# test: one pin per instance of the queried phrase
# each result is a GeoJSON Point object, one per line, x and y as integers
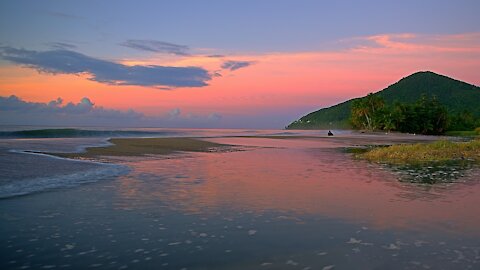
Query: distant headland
{"type": "Point", "coordinates": [424, 102]}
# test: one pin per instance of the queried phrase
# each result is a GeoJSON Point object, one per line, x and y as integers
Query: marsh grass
{"type": "Point", "coordinates": [463, 133]}
{"type": "Point", "coordinates": [439, 151]}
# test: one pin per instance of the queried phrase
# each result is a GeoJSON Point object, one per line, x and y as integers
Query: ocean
{"type": "Point", "coordinates": [299, 201]}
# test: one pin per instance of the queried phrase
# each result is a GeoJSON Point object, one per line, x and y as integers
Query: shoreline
{"type": "Point", "coordinates": [144, 146]}
{"type": "Point", "coordinates": [116, 147]}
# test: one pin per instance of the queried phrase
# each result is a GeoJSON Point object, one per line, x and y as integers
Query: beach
{"type": "Point", "coordinates": [239, 201]}
{"type": "Point", "coordinates": [146, 146]}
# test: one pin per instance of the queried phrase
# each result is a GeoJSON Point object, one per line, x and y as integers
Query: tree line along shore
{"type": "Point", "coordinates": [425, 116]}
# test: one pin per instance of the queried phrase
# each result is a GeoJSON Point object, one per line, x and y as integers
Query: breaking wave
{"type": "Point", "coordinates": [76, 133]}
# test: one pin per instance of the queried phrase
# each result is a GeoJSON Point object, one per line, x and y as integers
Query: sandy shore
{"type": "Point", "coordinates": [376, 138]}
{"type": "Point", "coordinates": [146, 146]}
{"type": "Point", "coordinates": [165, 146]}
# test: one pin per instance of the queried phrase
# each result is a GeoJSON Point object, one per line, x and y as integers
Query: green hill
{"type": "Point", "coordinates": [456, 95]}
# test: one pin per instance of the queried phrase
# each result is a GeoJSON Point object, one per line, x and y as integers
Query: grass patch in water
{"type": "Point", "coordinates": [439, 151]}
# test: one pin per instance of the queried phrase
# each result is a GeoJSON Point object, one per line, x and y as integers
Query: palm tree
{"type": "Point", "coordinates": [366, 112]}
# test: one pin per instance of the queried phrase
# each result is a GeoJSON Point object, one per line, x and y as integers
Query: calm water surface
{"type": "Point", "coordinates": [275, 204]}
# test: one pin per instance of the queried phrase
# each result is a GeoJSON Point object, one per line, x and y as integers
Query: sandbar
{"type": "Point", "coordinates": [146, 146]}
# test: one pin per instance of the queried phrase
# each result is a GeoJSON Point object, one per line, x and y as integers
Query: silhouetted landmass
{"type": "Point", "coordinates": [457, 96]}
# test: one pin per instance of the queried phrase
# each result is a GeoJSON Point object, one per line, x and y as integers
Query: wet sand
{"type": "Point", "coordinates": [357, 138]}
{"type": "Point", "coordinates": [147, 146]}
{"type": "Point", "coordinates": [165, 146]}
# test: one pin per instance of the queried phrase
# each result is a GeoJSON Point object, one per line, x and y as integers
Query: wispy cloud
{"type": "Point", "coordinates": [234, 65]}
{"type": "Point", "coordinates": [62, 45]}
{"type": "Point", "coordinates": [62, 15]}
{"type": "Point", "coordinates": [156, 46]}
{"type": "Point", "coordinates": [108, 72]}
{"type": "Point", "coordinates": [216, 55]}
{"type": "Point", "coordinates": [409, 42]}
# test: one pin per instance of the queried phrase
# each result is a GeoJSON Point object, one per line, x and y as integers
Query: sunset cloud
{"type": "Point", "coordinates": [108, 72]}
{"type": "Point", "coordinates": [234, 65]}
{"type": "Point", "coordinates": [409, 42]}
{"type": "Point", "coordinates": [62, 45]}
{"type": "Point", "coordinates": [156, 46]}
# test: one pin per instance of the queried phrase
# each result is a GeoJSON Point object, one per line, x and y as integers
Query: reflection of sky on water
{"type": "Point", "coordinates": [303, 205]}
{"type": "Point", "coordinates": [301, 177]}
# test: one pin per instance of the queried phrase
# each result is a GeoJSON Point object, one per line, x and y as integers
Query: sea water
{"type": "Point", "coordinates": [274, 204]}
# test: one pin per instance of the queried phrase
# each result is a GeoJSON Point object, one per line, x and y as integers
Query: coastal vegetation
{"type": "Point", "coordinates": [439, 151]}
{"type": "Point", "coordinates": [464, 133]}
{"type": "Point", "coordinates": [455, 105]}
{"type": "Point", "coordinates": [426, 116]}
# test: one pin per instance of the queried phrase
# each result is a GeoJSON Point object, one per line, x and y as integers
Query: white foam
{"type": "Point", "coordinates": [354, 241]}
{"type": "Point", "coordinates": [28, 186]}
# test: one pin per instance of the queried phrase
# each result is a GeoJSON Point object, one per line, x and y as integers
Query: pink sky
{"type": "Point", "coordinates": [283, 84]}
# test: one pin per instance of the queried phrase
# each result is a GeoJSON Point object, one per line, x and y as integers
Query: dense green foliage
{"type": "Point", "coordinates": [455, 95]}
{"type": "Point", "coordinates": [425, 116]}
{"type": "Point", "coordinates": [369, 112]}
{"type": "Point", "coordinates": [463, 121]}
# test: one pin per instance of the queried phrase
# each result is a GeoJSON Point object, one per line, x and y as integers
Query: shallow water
{"type": "Point", "coordinates": [277, 204]}
{"type": "Point", "coordinates": [25, 173]}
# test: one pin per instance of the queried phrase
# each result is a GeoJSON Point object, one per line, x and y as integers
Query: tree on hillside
{"type": "Point", "coordinates": [462, 121]}
{"type": "Point", "coordinates": [368, 112]}
{"type": "Point", "coordinates": [425, 116]}
{"type": "Point", "coordinates": [438, 115]}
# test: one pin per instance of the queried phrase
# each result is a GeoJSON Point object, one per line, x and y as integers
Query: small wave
{"type": "Point", "coordinates": [75, 133]}
{"type": "Point", "coordinates": [38, 184]}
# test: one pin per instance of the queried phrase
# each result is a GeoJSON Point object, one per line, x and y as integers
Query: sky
{"type": "Point", "coordinates": [219, 64]}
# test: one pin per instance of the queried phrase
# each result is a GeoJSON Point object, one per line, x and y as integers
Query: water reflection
{"type": "Point", "coordinates": [283, 204]}
{"type": "Point", "coordinates": [300, 177]}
